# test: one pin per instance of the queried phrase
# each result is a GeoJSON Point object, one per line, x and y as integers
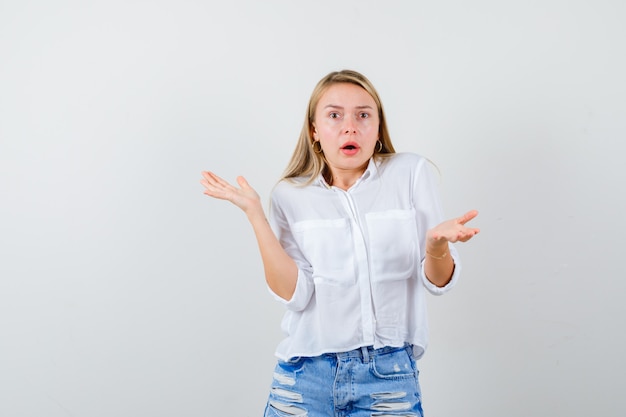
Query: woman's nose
{"type": "Point", "coordinates": [349, 125]}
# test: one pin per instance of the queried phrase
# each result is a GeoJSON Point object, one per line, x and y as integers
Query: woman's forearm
{"type": "Point", "coordinates": [281, 271]}
{"type": "Point", "coordinates": [439, 265]}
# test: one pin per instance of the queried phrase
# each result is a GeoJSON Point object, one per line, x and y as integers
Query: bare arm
{"type": "Point", "coordinates": [439, 265]}
{"type": "Point", "coordinates": [281, 272]}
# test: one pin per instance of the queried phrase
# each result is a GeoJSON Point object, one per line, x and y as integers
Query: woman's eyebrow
{"type": "Point", "coordinates": [336, 106]}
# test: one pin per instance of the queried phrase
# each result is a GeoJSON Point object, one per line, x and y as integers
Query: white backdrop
{"type": "Point", "coordinates": [125, 292]}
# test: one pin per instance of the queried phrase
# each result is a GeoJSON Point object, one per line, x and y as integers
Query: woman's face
{"type": "Point", "coordinates": [346, 125]}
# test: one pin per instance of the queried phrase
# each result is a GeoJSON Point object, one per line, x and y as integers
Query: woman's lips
{"type": "Point", "coordinates": [350, 148]}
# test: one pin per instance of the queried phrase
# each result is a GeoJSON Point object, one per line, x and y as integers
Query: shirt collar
{"type": "Point", "coordinates": [370, 172]}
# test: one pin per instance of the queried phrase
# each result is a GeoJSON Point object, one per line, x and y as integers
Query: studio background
{"type": "Point", "coordinates": [124, 291]}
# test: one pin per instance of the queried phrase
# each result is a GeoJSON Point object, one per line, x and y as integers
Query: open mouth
{"type": "Point", "coordinates": [350, 149]}
{"type": "Point", "coordinates": [350, 146]}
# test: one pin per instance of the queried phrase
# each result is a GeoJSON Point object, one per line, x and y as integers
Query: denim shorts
{"type": "Point", "coordinates": [364, 382]}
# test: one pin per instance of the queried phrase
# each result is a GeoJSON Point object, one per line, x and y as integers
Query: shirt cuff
{"type": "Point", "coordinates": [301, 294]}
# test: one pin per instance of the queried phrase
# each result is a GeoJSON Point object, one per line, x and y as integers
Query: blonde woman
{"type": "Point", "coordinates": [355, 239]}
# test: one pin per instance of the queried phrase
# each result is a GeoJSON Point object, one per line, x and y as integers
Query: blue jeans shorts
{"type": "Point", "coordinates": [364, 382]}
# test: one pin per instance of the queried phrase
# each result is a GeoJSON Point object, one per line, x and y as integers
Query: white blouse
{"type": "Point", "coordinates": [360, 256]}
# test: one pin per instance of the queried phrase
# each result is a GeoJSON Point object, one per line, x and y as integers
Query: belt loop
{"type": "Point", "coordinates": [409, 349]}
{"type": "Point", "coordinates": [366, 355]}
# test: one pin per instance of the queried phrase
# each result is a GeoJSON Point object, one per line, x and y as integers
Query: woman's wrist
{"type": "Point", "coordinates": [438, 252]}
{"type": "Point", "coordinates": [255, 213]}
{"type": "Point", "coordinates": [444, 255]}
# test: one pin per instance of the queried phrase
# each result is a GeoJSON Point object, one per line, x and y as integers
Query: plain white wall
{"type": "Point", "coordinates": [126, 292]}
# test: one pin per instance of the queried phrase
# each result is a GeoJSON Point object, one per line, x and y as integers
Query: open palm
{"type": "Point", "coordinates": [453, 230]}
{"type": "Point", "coordinates": [245, 197]}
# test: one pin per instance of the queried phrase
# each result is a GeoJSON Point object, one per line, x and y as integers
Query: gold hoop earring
{"type": "Point", "coordinates": [320, 147]}
{"type": "Point", "coordinates": [379, 146]}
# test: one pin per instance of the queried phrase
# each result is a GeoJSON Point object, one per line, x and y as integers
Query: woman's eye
{"type": "Point", "coordinates": [334, 115]}
{"type": "Point", "coordinates": [364, 115]}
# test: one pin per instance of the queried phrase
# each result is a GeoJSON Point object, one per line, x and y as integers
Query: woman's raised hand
{"type": "Point", "coordinates": [453, 230]}
{"type": "Point", "coordinates": [244, 197]}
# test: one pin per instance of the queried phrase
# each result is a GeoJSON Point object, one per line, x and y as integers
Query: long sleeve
{"type": "Point", "coordinates": [304, 285]}
{"type": "Point", "coordinates": [429, 213]}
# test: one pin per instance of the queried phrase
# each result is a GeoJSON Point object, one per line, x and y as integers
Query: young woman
{"type": "Point", "coordinates": [355, 239]}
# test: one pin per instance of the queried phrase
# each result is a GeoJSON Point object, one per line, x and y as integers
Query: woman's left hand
{"type": "Point", "coordinates": [453, 230]}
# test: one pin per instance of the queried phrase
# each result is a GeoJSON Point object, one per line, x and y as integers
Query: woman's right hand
{"type": "Point", "coordinates": [246, 198]}
{"type": "Point", "coordinates": [281, 272]}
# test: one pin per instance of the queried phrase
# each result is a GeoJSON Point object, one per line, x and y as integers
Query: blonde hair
{"type": "Point", "coordinates": [307, 163]}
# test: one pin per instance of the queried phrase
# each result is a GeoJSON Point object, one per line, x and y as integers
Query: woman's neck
{"type": "Point", "coordinates": [345, 179]}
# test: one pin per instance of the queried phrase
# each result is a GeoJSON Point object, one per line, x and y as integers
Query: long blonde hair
{"type": "Point", "coordinates": [307, 163]}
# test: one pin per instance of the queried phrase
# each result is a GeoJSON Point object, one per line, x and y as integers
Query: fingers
{"type": "Point", "coordinates": [215, 186]}
{"type": "Point", "coordinates": [468, 216]}
{"type": "Point", "coordinates": [455, 230]}
{"type": "Point", "coordinates": [242, 182]}
{"type": "Point", "coordinates": [213, 179]}
{"type": "Point", "coordinates": [219, 188]}
{"type": "Point", "coordinates": [467, 234]}
{"type": "Point", "coordinates": [207, 178]}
